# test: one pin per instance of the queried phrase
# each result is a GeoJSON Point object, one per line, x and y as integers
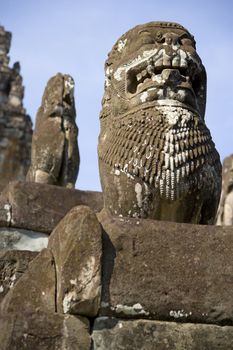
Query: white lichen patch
{"type": "Point", "coordinates": [73, 282]}
{"type": "Point", "coordinates": [121, 45]}
{"type": "Point", "coordinates": [138, 190]}
{"type": "Point", "coordinates": [87, 270]}
{"type": "Point", "coordinates": [69, 84]}
{"type": "Point", "coordinates": [7, 207]}
{"type": "Point", "coordinates": [68, 300]}
{"type": "Point", "coordinates": [117, 172]}
{"type": "Point", "coordinates": [107, 82]}
{"type": "Point", "coordinates": [149, 53]}
{"type": "Point", "coordinates": [144, 96]}
{"type": "Point", "coordinates": [118, 73]}
{"type": "Point", "coordinates": [179, 313]}
{"type": "Point", "coordinates": [1, 289]}
{"type": "Point", "coordinates": [134, 310]}
{"type": "Point", "coordinates": [104, 304]}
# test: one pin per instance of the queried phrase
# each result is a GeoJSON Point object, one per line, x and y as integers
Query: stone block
{"type": "Point", "coordinates": [116, 334]}
{"type": "Point", "coordinates": [39, 207]}
{"type": "Point", "coordinates": [20, 239]}
{"type": "Point", "coordinates": [76, 244]}
{"type": "Point", "coordinates": [43, 331]}
{"type": "Point", "coordinates": [35, 290]}
{"type": "Point", "coordinates": [167, 271]}
{"type": "Point", "coordinates": [13, 264]}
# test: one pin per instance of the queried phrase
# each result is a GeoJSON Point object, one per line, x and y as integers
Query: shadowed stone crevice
{"type": "Point", "coordinates": [55, 287]}
{"type": "Point", "coordinates": [109, 254]}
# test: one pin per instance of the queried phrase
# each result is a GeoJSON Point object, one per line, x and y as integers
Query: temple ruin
{"type": "Point", "coordinates": [141, 265]}
{"type": "Point", "coordinates": [15, 124]}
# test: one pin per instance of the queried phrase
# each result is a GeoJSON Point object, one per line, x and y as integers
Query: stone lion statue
{"type": "Point", "coordinates": [156, 156]}
{"type": "Point", "coordinates": [55, 154]}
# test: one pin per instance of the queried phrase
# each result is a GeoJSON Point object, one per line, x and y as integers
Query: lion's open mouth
{"type": "Point", "coordinates": [148, 74]}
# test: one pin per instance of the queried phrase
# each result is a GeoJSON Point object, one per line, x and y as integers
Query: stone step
{"type": "Point", "coordinates": [166, 271]}
{"type": "Point", "coordinates": [39, 207]}
{"type": "Point", "coordinates": [116, 334]}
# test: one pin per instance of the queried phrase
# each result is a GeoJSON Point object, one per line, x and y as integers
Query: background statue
{"type": "Point", "coordinates": [55, 155]}
{"type": "Point", "coordinates": [225, 210]}
{"type": "Point", "coordinates": [156, 156]}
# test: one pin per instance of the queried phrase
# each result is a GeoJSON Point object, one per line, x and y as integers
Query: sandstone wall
{"type": "Point", "coordinates": [106, 282]}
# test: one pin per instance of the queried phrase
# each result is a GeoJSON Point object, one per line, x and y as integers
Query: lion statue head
{"type": "Point", "coordinates": [156, 155]}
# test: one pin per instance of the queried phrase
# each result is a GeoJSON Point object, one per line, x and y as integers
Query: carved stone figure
{"type": "Point", "coordinates": [55, 154]}
{"type": "Point", "coordinates": [225, 209]}
{"type": "Point", "coordinates": [156, 156]}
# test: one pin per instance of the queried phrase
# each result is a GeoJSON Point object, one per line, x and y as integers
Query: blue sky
{"type": "Point", "coordinates": [75, 37]}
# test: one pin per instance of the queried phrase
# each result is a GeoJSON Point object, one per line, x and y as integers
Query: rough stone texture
{"type": "Point", "coordinates": [12, 266]}
{"type": "Point", "coordinates": [156, 156]}
{"type": "Point", "coordinates": [55, 154]}
{"type": "Point", "coordinates": [225, 209]}
{"type": "Point", "coordinates": [15, 124]}
{"type": "Point", "coordinates": [35, 290]}
{"type": "Point", "coordinates": [44, 331]}
{"type": "Point", "coordinates": [40, 207]}
{"type": "Point", "coordinates": [19, 239]}
{"type": "Point", "coordinates": [113, 334]}
{"type": "Point", "coordinates": [76, 244]}
{"type": "Point", "coordinates": [167, 271]}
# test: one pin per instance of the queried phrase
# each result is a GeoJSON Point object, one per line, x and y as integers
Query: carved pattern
{"type": "Point", "coordinates": [164, 155]}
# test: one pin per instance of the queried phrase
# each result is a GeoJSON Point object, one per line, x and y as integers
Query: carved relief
{"type": "Point", "coordinates": [156, 155]}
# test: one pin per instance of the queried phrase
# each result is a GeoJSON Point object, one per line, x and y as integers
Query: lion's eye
{"type": "Point", "coordinates": [147, 39]}
{"type": "Point", "coordinates": [159, 37]}
{"type": "Point", "coordinates": [186, 42]}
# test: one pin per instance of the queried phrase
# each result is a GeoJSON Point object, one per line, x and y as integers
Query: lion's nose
{"type": "Point", "coordinates": [171, 39]}
{"type": "Point", "coordinates": [171, 76]}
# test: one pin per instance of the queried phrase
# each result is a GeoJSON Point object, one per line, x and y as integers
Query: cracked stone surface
{"type": "Point", "coordinates": [35, 290]}
{"type": "Point", "coordinates": [117, 334]}
{"type": "Point", "coordinates": [166, 271]}
{"type": "Point", "coordinates": [76, 244]}
{"type": "Point", "coordinates": [44, 331]}
{"type": "Point", "coordinates": [40, 207]}
{"type": "Point", "coordinates": [13, 264]}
